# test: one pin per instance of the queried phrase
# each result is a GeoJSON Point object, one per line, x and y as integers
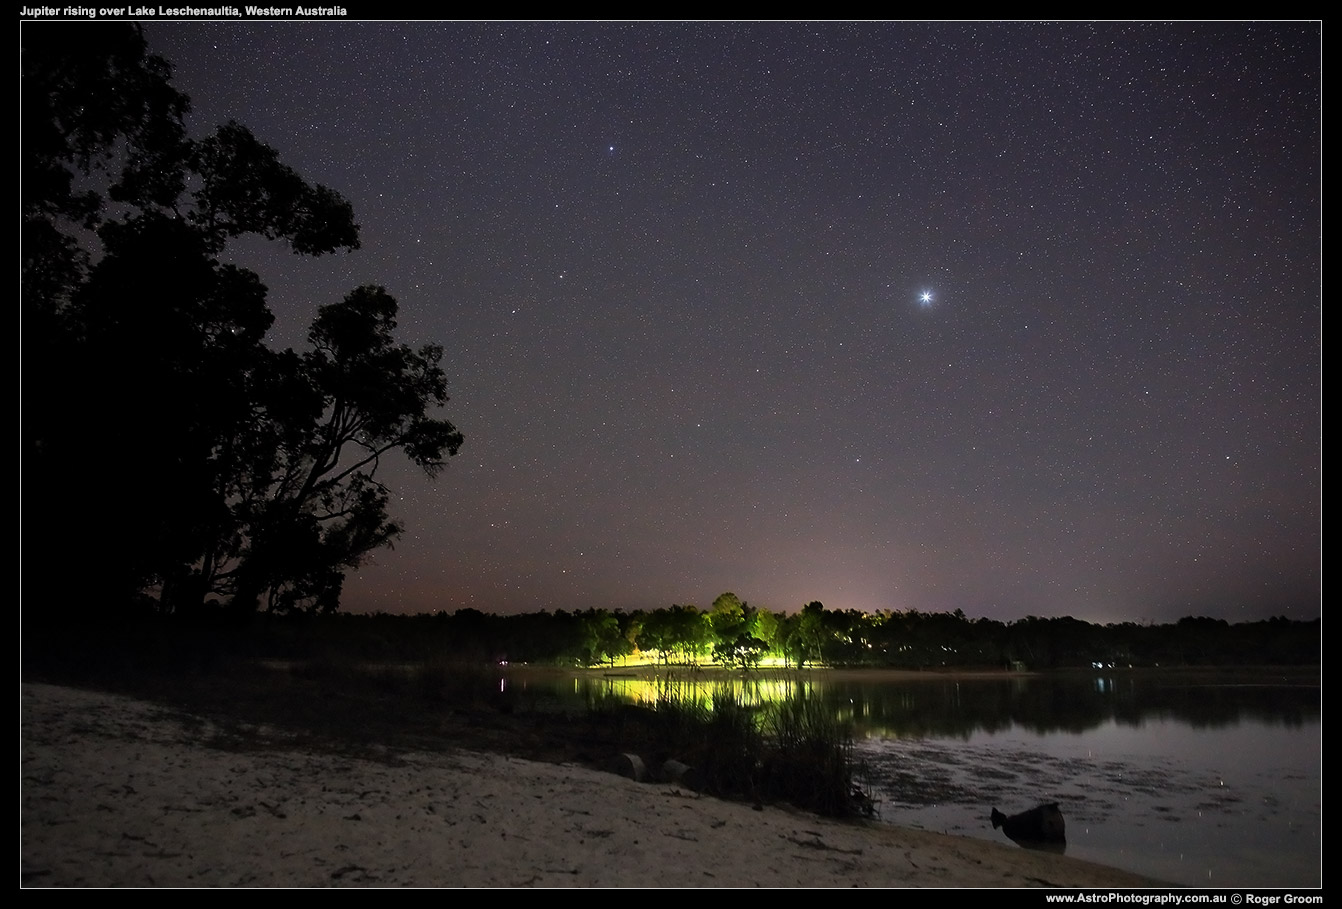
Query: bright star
{"type": "Point", "coordinates": [925, 298]}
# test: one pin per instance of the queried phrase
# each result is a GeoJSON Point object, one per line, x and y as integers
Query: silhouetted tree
{"type": "Point", "coordinates": [168, 450]}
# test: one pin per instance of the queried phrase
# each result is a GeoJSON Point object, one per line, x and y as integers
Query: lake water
{"type": "Point", "coordinates": [1200, 779]}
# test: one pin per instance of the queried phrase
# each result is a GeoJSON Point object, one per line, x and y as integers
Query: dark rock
{"type": "Point", "coordinates": [1042, 827]}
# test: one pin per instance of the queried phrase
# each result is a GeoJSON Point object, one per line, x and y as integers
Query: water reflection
{"type": "Point", "coordinates": [1196, 778]}
{"type": "Point", "coordinates": [960, 707]}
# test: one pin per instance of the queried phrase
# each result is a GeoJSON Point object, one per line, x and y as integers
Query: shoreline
{"type": "Point", "coordinates": [123, 792]}
{"type": "Point", "coordinates": [1303, 674]}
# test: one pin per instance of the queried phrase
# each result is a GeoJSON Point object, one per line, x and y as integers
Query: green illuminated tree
{"type": "Point", "coordinates": [727, 618]}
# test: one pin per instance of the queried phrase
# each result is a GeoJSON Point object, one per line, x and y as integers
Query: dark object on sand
{"type": "Point", "coordinates": [1038, 828]}
{"type": "Point", "coordinates": [628, 765]}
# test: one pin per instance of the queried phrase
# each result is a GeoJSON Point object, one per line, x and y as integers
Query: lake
{"type": "Point", "coordinates": [1200, 778]}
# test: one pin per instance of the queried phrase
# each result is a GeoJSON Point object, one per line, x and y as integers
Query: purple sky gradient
{"type": "Point", "coordinates": [678, 270]}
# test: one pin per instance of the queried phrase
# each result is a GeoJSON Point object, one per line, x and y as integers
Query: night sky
{"type": "Point", "coordinates": [1021, 319]}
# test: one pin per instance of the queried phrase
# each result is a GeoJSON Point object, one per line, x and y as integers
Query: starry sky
{"type": "Point", "coordinates": [1015, 318]}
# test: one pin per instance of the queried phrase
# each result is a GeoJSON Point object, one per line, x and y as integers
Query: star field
{"type": "Point", "coordinates": [1022, 319]}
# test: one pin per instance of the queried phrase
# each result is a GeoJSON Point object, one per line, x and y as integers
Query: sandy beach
{"type": "Point", "coordinates": [118, 792]}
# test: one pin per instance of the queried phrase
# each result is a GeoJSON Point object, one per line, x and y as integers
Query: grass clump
{"type": "Point", "coordinates": [795, 750]}
{"type": "Point", "coordinates": [811, 761]}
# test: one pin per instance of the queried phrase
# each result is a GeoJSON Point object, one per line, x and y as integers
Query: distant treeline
{"type": "Point", "coordinates": [733, 633]}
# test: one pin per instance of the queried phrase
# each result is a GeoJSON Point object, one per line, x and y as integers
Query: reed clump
{"type": "Point", "coordinates": [795, 750]}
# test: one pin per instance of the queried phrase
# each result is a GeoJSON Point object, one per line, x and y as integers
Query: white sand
{"type": "Point", "coordinates": [118, 792]}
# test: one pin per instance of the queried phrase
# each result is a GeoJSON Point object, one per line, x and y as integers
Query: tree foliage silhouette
{"type": "Point", "coordinates": [170, 455]}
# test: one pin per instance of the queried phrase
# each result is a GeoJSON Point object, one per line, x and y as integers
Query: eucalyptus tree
{"type": "Point", "coordinates": [170, 455]}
